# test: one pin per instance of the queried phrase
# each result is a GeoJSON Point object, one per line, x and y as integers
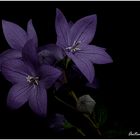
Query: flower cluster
{"type": "Point", "coordinates": [32, 69]}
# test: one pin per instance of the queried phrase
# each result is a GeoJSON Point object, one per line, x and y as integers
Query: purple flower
{"type": "Point", "coordinates": [9, 54]}
{"type": "Point", "coordinates": [57, 122]}
{"type": "Point", "coordinates": [16, 38]}
{"type": "Point", "coordinates": [75, 39]}
{"type": "Point", "coordinates": [50, 54]}
{"type": "Point", "coordinates": [30, 80]}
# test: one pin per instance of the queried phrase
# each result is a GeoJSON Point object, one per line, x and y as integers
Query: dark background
{"type": "Point", "coordinates": [118, 30]}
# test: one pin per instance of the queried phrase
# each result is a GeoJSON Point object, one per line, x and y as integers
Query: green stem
{"type": "Point", "coordinates": [67, 63]}
{"type": "Point", "coordinates": [80, 131]}
{"type": "Point", "coordinates": [85, 115]}
{"type": "Point", "coordinates": [76, 99]}
{"type": "Point", "coordinates": [99, 132]}
{"type": "Point", "coordinates": [93, 124]}
{"type": "Point", "coordinates": [65, 103]}
{"type": "Point", "coordinates": [74, 96]}
{"type": "Point", "coordinates": [65, 78]}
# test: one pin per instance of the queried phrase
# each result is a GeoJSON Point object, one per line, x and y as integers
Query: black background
{"type": "Point", "coordinates": [118, 30]}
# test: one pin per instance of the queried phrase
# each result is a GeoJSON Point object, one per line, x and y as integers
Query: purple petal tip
{"type": "Point", "coordinates": [58, 11]}
{"type": "Point", "coordinates": [4, 22]}
{"type": "Point", "coordinates": [30, 21]}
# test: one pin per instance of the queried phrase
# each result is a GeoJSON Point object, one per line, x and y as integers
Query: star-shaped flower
{"type": "Point", "coordinates": [75, 39]}
{"type": "Point", "coordinates": [16, 38]}
{"type": "Point", "coordinates": [30, 79]}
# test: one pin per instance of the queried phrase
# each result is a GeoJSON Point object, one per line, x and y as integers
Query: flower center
{"type": "Point", "coordinates": [74, 47]}
{"type": "Point", "coordinates": [32, 80]}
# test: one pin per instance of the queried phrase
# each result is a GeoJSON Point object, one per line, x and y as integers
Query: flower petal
{"type": "Point", "coordinates": [49, 75]}
{"type": "Point", "coordinates": [70, 24]}
{"type": "Point", "coordinates": [29, 54]}
{"type": "Point", "coordinates": [14, 70]}
{"type": "Point", "coordinates": [84, 65]}
{"type": "Point", "coordinates": [84, 29]}
{"type": "Point", "coordinates": [96, 54]}
{"type": "Point", "coordinates": [32, 33]}
{"type": "Point", "coordinates": [56, 122]}
{"type": "Point", "coordinates": [8, 55]}
{"type": "Point", "coordinates": [59, 82]}
{"type": "Point", "coordinates": [14, 34]}
{"type": "Point", "coordinates": [38, 100]}
{"type": "Point", "coordinates": [18, 95]}
{"type": "Point", "coordinates": [94, 84]}
{"type": "Point", "coordinates": [46, 57]}
{"type": "Point", "coordinates": [62, 29]}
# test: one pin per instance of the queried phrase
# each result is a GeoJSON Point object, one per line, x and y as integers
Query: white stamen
{"type": "Point", "coordinates": [68, 48]}
{"type": "Point", "coordinates": [33, 80]}
{"type": "Point", "coordinates": [74, 47]}
{"type": "Point", "coordinates": [76, 43]}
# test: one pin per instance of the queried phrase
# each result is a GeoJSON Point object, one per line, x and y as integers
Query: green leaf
{"type": "Point", "coordinates": [101, 115]}
{"type": "Point", "coordinates": [67, 125]}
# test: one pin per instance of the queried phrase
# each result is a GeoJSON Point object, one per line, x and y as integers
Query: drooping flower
{"type": "Point", "coordinates": [74, 39]}
{"type": "Point", "coordinates": [50, 54]}
{"type": "Point", "coordinates": [57, 122]}
{"type": "Point", "coordinates": [16, 38]}
{"type": "Point", "coordinates": [86, 104]}
{"type": "Point", "coordinates": [30, 80]}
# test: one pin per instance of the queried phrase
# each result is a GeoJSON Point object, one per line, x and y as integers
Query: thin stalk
{"type": "Point", "coordinates": [74, 96]}
{"type": "Point", "coordinates": [93, 124]}
{"type": "Point", "coordinates": [80, 131]}
{"type": "Point", "coordinates": [70, 106]}
{"type": "Point", "coordinates": [76, 99]}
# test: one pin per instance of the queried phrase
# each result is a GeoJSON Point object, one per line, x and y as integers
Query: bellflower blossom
{"type": "Point", "coordinates": [57, 122]}
{"type": "Point", "coordinates": [30, 79]}
{"type": "Point", "coordinates": [74, 39]}
{"type": "Point", "coordinates": [16, 38]}
{"type": "Point", "coordinates": [50, 54]}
